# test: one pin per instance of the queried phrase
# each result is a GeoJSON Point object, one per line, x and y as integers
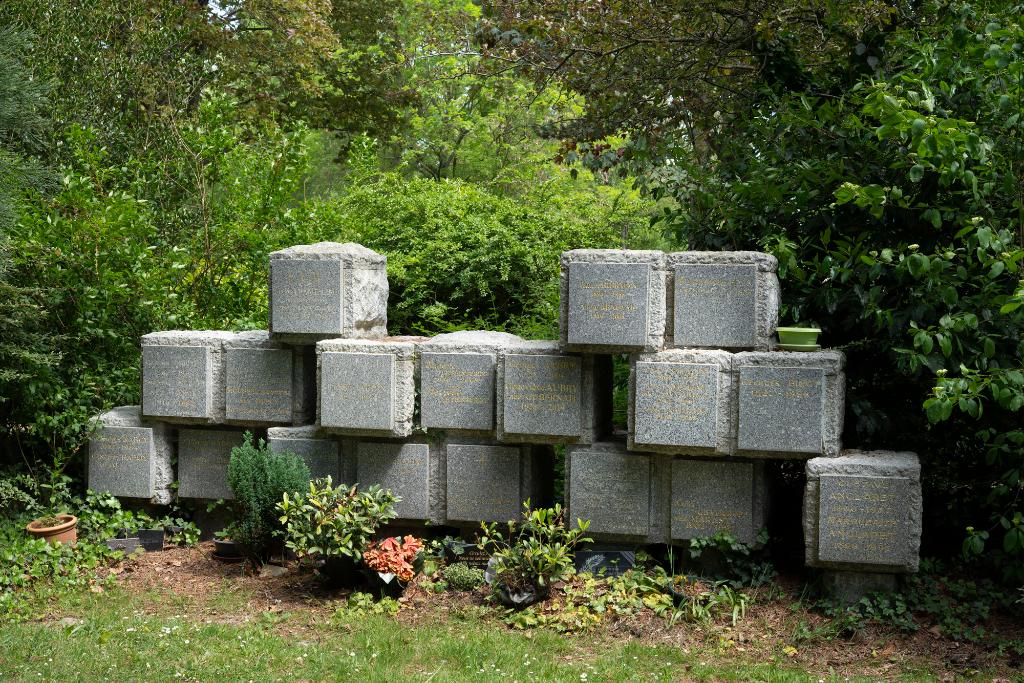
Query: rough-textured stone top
{"type": "Point", "coordinates": [723, 359]}
{"type": "Point", "coordinates": [470, 341]}
{"type": "Point", "coordinates": [121, 416]}
{"type": "Point", "coordinates": [868, 463]}
{"type": "Point", "coordinates": [612, 256]}
{"type": "Point", "coordinates": [766, 263]}
{"type": "Point", "coordinates": [187, 338]}
{"type": "Point", "coordinates": [252, 339]}
{"type": "Point", "coordinates": [301, 432]}
{"type": "Point", "coordinates": [402, 347]}
{"type": "Point", "coordinates": [349, 253]}
{"type": "Point", "coordinates": [539, 346]}
{"type": "Point", "coordinates": [831, 361]}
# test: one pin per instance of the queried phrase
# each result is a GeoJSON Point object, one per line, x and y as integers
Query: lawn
{"type": "Point", "coordinates": [178, 616]}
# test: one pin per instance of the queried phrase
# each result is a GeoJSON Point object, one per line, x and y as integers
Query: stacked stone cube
{"type": "Point", "coordinates": [462, 425]}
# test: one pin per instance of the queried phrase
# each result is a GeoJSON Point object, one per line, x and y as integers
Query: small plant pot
{"type": "Point", "coordinates": [339, 571]}
{"type": "Point", "coordinates": [798, 336]}
{"type": "Point", "coordinates": [65, 532]}
{"type": "Point", "coordinates": [227, 550]}
{"type": "Point", "coordinates": [384, 585]}
{"type": "Point", "coordinates": [520, 599]}
{"type": "Point", "coordinates": [151, 539]}
{"type": "Point", "coordinates": [127, 545]}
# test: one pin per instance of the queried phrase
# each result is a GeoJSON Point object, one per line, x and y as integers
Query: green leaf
{"type": "Point", "coordinates": [932, 216]}
{"type": "Point", "coordinates": [916, 173]}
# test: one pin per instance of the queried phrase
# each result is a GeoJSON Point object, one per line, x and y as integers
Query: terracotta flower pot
{"type": "Point", "coordinates": [65, 532]}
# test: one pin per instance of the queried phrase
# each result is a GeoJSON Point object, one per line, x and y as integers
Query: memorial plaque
{"type": "Point", "coordinates": [320, 455]}
{"type": "Point", "coordinates": [781, 409]}
{"type": "Point", "coordinates": [457, 391]}
{"type": "Point", "coordinates": [715, 305]}
{"type": "Point", "coordinates": [542, 394]}
{"type": "Point", "coordinates": [306, 296]}
{"type": "Point", "coordinates": [356, 390]}
{"type": "Point", "coordinates": [120, 461]}
{"type": "Point", "coordinates": [612, 490]}
{"type": "Point", "coordinates": [863, 519]}
{"type": "Point", "coordinates": [483, 483]}
{"type": "Point", "coordinates": [608, 303]}
{"type": "Point", "coordinates": [259, 385]}
{"type": "Point", "coordinates": [176, 381]}
{"type": "Point", "coordinates": [402, 468]}
{"type": "Point", "coordinates": [203, 457]}
{"type": "Point", "coordinates": [675, 404]}
{"type": "Point", "coordinates": [710, 497]}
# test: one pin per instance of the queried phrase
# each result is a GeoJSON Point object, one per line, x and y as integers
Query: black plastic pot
{"type": "Point", "coordinates": [227, 550]}
{"type": "Point", "coordinates": [151, 539]}
{"type": "Point", "coordinates": [384, 585]}
{"type": "Point", "coordinates": [339, 571]}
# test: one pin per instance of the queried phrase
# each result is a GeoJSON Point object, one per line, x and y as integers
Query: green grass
{"type": "Point", "coordinates": [157, 637]}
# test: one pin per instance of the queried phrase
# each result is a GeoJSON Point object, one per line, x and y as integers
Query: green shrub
{"type": "Point", "coordinates": [532, 554]}
{"type": "Point", "coordinates": [333, 522]}
{"type": "Point", "coordinates": [258, 479]}
{"type": "Point", "coordinates": [461, 577]}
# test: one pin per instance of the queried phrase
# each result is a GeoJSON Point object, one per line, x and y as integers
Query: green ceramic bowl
{"type": "Point", "coordinates": [803, 336]}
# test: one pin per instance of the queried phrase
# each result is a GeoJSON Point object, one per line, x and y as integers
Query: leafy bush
{"type": "Point", "coordinates": [532, 554]}
{"type": "Point", "coordinates": [334, 522]}
{"type": "Point", "coordinates": [258, 479]}
{"type": "Point", "coordinates": [461, 577]}
{"type": "Point", "coordinates": [743, 566]}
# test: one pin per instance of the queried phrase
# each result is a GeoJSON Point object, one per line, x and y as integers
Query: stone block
{"type": "Point", "coordinates": [862, 512]}
{"type": "Point", "coordinates": [709, 497]}
{"type": "Point", "coordinates": [409, 470]}
{"type": "Point", "coordinates": [488, 482]}
{"type": "Point", "coordinates": [722, 299]}
{"type": "Point", "coordinates": [365, 387]}
{"type": "Point", "coordinates": [324, 290]}
{"type": "Point", "coordinates": [612, 300]}
{"type": "Point", "coordinates": [130, 457]}
{"type": "Point", "coordinates": [623, 494]}
{"type": "Point", "coordinates": [267, 382]}
{"type": "Point", "coordinates": [790, 405]}
{"type": "Point", "coordinates": [203, 456]}
{"type": "Point", "coordinates": [682, 401]}
{"type": "Point", "coordinates": [320, 451]}
{"type": "Point", "coordinates": [457, 378]}
{"type": "Point", "coordinates": [183, 376]}
{"type": "Point", "coordinates": [546, 396]}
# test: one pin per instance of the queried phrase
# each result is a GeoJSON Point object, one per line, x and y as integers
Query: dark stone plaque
{"type": "Point", "coordinates": [120, 461]}
{"type": "Point", "coordinates": [710, 497]}
{"type": "Point", "coordinates": [714, 305]}
{"type": "Point", "coordinates": [306, 296]}
{"type": "Point", "coordinates": [203, 457]}
{"type": "Point", "coordinates": [259, 385]}
{"type": "Point", "coordinates": [863, 519]}
{"type": "Point", "coordinates": [402, 468]}
{"type": "Point", "coordinates": [612, 490]}
{"type": "Point", "coordinates": [676, 404]}
{"type": "Point", "coordinates": [542, 394]}
{"type": "Point", "coordinates": [457, 391]}
{"type": "Point", "coordinates": [176, 381]}
{"type": "Point", "coordinates": [483, 483]}
{"type": "Point", "coordinates": [781, 409]}
{"type": "Point", "coordinates": [608, 303]}
{"type": "Point", "coordinates": [356, 390]}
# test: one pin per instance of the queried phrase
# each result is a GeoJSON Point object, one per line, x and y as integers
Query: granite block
{"type": "Point", "coordinates": [267, 382]}
{"type": "Point", "coordinates": [485, 483]}
{"type": "Point", "coordinates": [203, 457]}
{"type": "Point", "coordinates": [682, 401]}
{"type": "Point", "coordinates": [183, 376]}
{"type": "Point", "coordinates": [723, 299]}
{"type": "Point", "coordinates": [862, 512]}
{"type": "Point", "coordinates": [320, 451]}
{"type": "Point", "coordinates": [709, 497]}
{"type": "Point", "coordinates": [130, 457]}
{"type": "Point", "coordinates": [404, 469]}
{"type": "Point", "coordinates": [325, 290]}
{"type": "Point", "coordinates": [612, 300]}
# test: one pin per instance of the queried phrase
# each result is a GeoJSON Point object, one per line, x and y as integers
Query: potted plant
{"type": "Point", "coordinates": [258, 478]}
{"type": "Point", "coordinates": [225, 548]}
{"type": "Point", "coordinates": [62, 528]}
{"type": "Point", "coordinates": [532, 555]}
{"type": "Point", "coordinates": [392, 563]}
{"type": "Point", "coordinates": [798, 338]}
{"type": "Point", "coordinates": [333, 526]}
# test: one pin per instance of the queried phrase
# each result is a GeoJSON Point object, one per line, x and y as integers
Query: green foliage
{"type": "Point", "coordinates": [359, 605]}
{"type": "Point", "coordinates": [259, 478]}
{"type": "Point", "coordinates": [334, 522]}
{"type": "Point", "coordinates": [745, 566]}
{"type": "Point", "coordinates": [461, 577]}
{"type": "Point", "coordinates": [535, 552]}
